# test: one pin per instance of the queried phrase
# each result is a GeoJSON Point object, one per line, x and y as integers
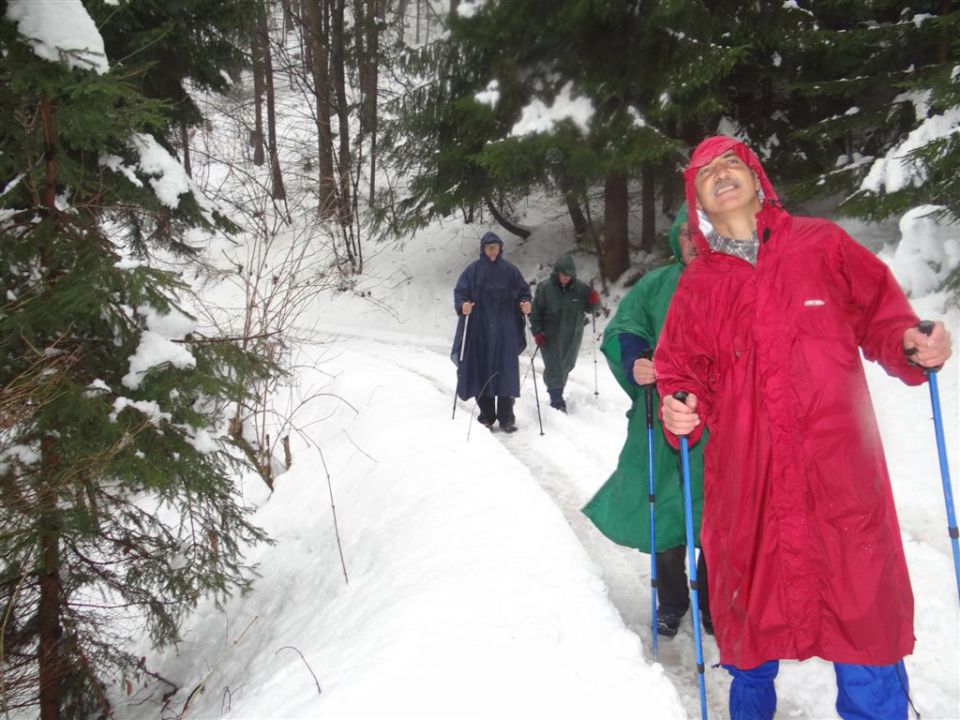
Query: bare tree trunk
{"type": "Point", "coordinates": [401, 18]}
{"type": "Point", "coordinates": [317, 13]}
{"type": "Point", "coordinates": [377, 15]}
{"type": "Point", "coordinates": [278, 192]}
{"type": "Point", "coordinates": [616, 245]}
{"type": "Point", "coordinates": [289, 22]}
{"type": "Point", "coordinates": [648, 222]}
{"type": "Point", "coordinates": [256, 56]}
{"type": "Point", "coordinates": [337, 60]}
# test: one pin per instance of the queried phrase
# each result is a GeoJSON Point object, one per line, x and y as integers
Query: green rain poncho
{"type": "Point", "coordinates": [558, 312]}
{"type": "Point", "coordinates": [620, 509]}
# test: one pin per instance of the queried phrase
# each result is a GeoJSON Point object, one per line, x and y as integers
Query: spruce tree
{"type": "Point", "coordinates": [631, 62]}
{"type": "Point", "coordinates": [881, 84]}
{"type": "Point", "coordinates": [116, 500]}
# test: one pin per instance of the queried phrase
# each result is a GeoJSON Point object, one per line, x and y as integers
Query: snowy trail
{"type": "Point", "coordinates": [574, 456]}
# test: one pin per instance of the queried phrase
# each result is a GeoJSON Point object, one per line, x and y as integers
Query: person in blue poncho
{"type": "Point", "coordinates": [491, 299]}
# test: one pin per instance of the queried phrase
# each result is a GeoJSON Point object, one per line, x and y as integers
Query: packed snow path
{"type": "Point", "coordinates": [578, 451]}
{"type": "Point", "coordinates": [469, 595]}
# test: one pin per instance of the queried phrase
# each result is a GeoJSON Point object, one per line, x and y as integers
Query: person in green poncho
{"type": "Point", "coordinates": [620, 509]}
{"type": "Point", "coordinates": [556, 321]}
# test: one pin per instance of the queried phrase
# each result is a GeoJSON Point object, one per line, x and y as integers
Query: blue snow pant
{"type": "Point", "coordinates": [864, 692]}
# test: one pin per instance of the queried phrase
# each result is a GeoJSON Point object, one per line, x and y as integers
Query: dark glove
{"type": "Point", "coordinates": [540, 339]}
{"type": "Point", "coordinates": [593, 298]}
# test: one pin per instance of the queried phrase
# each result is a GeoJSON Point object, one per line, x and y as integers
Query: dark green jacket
{"type": "Point", "coordinates": [620, 509]}
{"type": "Point", "coordinates": [558, 313]}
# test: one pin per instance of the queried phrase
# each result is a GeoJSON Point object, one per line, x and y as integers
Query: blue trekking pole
{"type": "Point", "coordinates": [651, 498]}
{"type": "Point", "coordinates": [692, 561]}
{"type": "Point", "coordinates": [926, 327]}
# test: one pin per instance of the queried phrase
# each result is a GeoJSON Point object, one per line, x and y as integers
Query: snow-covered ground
{"type": "Point", "coordinates": [473, 586]}
{"type": "Point", "coordinates": [425, 568]}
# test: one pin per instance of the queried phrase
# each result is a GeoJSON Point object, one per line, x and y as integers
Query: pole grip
{"type": "Point", "coordinates": [926, 327]}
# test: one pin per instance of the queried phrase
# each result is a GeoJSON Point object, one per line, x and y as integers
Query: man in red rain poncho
{"type": "Point", "coordinates": [799, 527]}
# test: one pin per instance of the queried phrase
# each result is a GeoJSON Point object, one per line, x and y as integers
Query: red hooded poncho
{"type": "Point", "coordinates": [799, 527]}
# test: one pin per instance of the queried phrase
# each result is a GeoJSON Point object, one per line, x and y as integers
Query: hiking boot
{"type": "Point", "coordinates": [668, 623]}
{"type": "Point", "coordinates": [560, 405]}
{"type": "Point", "coordinates": [486, 422]}
{"type": "Point", "coordinates": [508, 426]}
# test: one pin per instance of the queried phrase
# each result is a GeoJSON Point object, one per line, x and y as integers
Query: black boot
{"type": "Point", "coordinates": [556, 399]}
{"type": "Point", "coordinates": [668, 623]}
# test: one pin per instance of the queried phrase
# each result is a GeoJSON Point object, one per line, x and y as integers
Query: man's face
{"type": "Point", "coordinates": [688, 251]}
{"type": "Point", "coordinates": [562, 278]}
{"type": "Point", "coordinates": [726, 184]}
{"type": "Point", "coordinates": [491, 250]}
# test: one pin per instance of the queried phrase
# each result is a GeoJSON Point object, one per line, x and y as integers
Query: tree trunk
{"type": "Point", "coordinates": [289, 22]}
{"type": "Point", "coordinates": [50, 651]}
{"type": "Point", "coordinates": [376, 21]}
{"type": "Point", "coordinates": [278, 192]}
{"type": "Point", "coordinates": [580, 224]}
{"type": "Point", "coordinates": [616, 245]}
{"type": "Point", "coordinates": [256, 58]}
{"type": "Point", "coordinates": [648, 217]}
{"type": "Point", "coordinates": [317, 13]}
{"type": "Point", "coordinates": [400, 15]}
{"type": "Point", "coordinates": [337, 62]}
{"type": "Point", "coordinates": [185, 142]}
{"type": "Point", "coordinates": [505, 222]}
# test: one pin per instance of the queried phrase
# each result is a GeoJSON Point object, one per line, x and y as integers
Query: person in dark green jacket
{"type": "Point", "coordinates": [620, 509]}
{"type": "Point", "coordinates": [557, 321]}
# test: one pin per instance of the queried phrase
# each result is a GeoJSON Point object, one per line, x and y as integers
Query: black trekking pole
{"type": "Point", "coordinates": [463, 346]}
{"type": "Point", "coordinates": [692, 560]}
{"type": "Point", "coordinates": [596, 387]}
{"type": "Point", "coordinates": [926, 327]}
{"type": "Point", "coordinates": [536, 393]}
{"type": "Point", "coordinates": [533, 370]}
{"type": "Point", "coordinates": [651, 498]}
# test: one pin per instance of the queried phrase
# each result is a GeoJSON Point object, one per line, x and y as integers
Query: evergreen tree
{"type": "Point", "coordinates": [173, 42]}
{"type": "Point", "coordinates": [463, 144]}
{"type": "Point", "coordinates": [116, 501]}
{"type": "Point", "coordinates": [883, 92]}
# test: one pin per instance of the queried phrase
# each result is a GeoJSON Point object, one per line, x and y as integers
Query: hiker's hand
{"type": "Point", "coordinates": [680, 418]}
{"type": "Point", "coordinates": [466, 308]}
{"type": "Point", "coordinates": [643, 372]}
{"type": "Point", "coordinates": [927, 351]}
{"type": "Point", "coordinates": [525, 307]}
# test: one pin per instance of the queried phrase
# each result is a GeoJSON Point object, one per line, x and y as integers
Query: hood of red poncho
{"type": "Point", "coordinates": [704, 153]}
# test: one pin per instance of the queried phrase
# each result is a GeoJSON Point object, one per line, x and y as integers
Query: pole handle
{"type": "Point", "coordinates": [926, 327]}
